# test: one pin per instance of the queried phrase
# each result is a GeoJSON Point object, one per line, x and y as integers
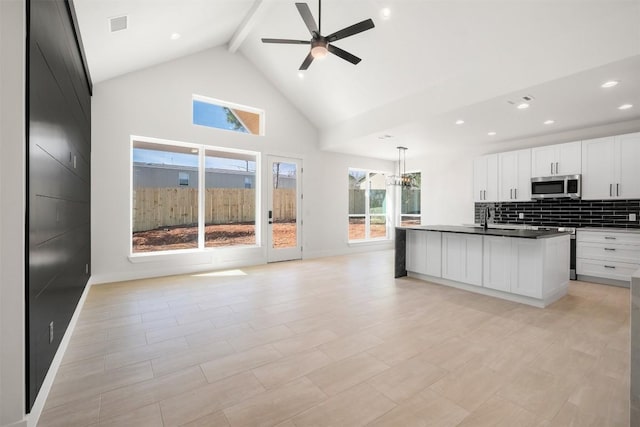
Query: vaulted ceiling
{"type": "Point", "coordinates": [424, 66]}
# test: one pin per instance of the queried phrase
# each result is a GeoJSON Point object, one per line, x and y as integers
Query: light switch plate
{"type": "Point", "coordinates": [633, 217]}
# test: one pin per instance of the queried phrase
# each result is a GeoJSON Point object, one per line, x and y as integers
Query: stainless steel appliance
{"type": "Point", "coordinates": [572, 254]}
{"type": "Point", "coordinates": [556, 187]}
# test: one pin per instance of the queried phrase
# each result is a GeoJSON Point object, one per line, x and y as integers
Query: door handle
{"type": "Point", "coordinates": [270, 217]}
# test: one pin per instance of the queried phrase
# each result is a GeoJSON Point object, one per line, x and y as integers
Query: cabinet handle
{"type": "Point", "coordinates": [617, 189]}
{"type": "Point", "coordinates": [480, 194]}
{"type": "Point", "coordinates": [609, 249]}
{"type": "Point", "coordinates": [556, 167]}
{"type": "Point", "coordinates": [609, 238]}
{"type": "Point", "coordinates": [515, 192]}
{"type": "Point", "coordinates": [609, 266]}
{"type": "Point", "coordinates": [511, 193]}
{"type": "Point", "coordinates": [610, 189]}
{"type": "Point", "coordinates": [485, 194]}
{"type": "Point", "coordinates": [551, 168]}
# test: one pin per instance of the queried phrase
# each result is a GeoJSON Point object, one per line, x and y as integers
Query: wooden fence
{"type": "Point", "coordinates": [165, 207]}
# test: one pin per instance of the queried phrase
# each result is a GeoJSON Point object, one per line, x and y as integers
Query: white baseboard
{"type": "Point", "coordinates": [36, 410]}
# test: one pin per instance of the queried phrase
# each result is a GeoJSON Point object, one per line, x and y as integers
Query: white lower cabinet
{"type": "Point", "coordinates": [535, 268]}
{"type": "Point", "coordinates": [531, 271]}
{"type": "Point", "coordinates": [607, 254]}
{"type": "Point", "coordinates": [424, 255]}
{"type": "Point", "coordinates": [462, 258]}
{"type": "Point", "coordinates": [527, 267]}
{"type": "Point", "coordinates": [497, 263]}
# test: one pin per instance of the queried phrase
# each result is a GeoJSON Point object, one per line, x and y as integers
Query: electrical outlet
{"type": "Point", "coordinates": [633, 217]}
{"type": "Point", "coordinates": [51, 332]}
{"type": "Point", "coordinates": [521, 215]}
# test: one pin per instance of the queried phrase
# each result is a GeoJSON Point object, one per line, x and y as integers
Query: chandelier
{"type": "Point", "coordinates": [402, 179]}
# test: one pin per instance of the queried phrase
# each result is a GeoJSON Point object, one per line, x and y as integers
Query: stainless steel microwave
{"type": "Point", "coordinates": [556, 187]}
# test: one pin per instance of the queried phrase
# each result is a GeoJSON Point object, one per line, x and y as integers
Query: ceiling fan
{"type": "Point", "coordinates": [321, 45]}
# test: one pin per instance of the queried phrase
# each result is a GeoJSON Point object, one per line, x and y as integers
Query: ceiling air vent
{"type": "Point", "coordinates": [118, 23]}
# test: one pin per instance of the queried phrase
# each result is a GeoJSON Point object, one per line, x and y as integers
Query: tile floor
{"type": "Point", "coordinates": [339, 342]}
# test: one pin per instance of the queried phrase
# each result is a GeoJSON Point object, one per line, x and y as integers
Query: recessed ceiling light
{"type": "Point", "coordinates": [549, 122]}
{"type": "Point", "coordinates": [385, 13]}
{"type": "Point", "coordinates": [523, 106]}
{"type": "Point", "coordinates": [175, 36]}
{"type": "Point", "coordinates": [491, 133]}
{"type": "Point", "coordinates": [301, 75]}
{"type": "Point", "coordinates": [625, 106]}
{"type": "Point", "coordinates": [610, 83]}
{"type": "Point", "coordinates": [459, 122]}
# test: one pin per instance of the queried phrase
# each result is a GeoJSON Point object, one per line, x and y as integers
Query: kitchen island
{"type": "Point", "coordinates": [526, 266]}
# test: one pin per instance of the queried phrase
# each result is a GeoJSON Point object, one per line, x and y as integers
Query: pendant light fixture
{"type": "Point", "coordinates": [402, 179]}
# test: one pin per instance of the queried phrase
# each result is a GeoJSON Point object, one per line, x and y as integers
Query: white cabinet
{"type": "Point", "coordinates": [485, 178]}
{"type": "Point", "coordinates": [607, 254]}
{"type": "Point", "coordinates": [627, 156]}
{"type": "Point", "coordinates": [559, 159]}
{"type": "Point", "coordinates": [462, 258]}
{"type": "Point", "coordinates": [513, 265]}
{"type": "Point", "coordinates": [497, 263]}
{"type": "Point", "coordinates": [424, 252]}
{"type": "Point", "coordinates": [526, 267]}
{"type": "Point", "coordinates": [514, 173]}
{"type": "Point", "coordinates": [611, 167]}
{"type": "Point", "coordinates": [535, 268]}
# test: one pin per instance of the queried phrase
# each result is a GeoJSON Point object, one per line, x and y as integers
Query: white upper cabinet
{"type": "Point", "coordinates": [514, 176]}
{"type": "Point", "coordinates": [485, 178]}
{"type": "Point", "coordinates": [627, 157]}
{"type": "Point", "coordinates": [611, 167]}
{"type": "Point", "coordinates": [560, 159]}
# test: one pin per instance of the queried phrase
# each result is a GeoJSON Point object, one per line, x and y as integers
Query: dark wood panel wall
{"type": "Point", "coordinates": [58, 181]}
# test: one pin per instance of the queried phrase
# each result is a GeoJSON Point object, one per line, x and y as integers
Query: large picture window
{"type": "Point", "coordinates": [367, 205]}
{"type": "Point", "coordinates": [190, 197]}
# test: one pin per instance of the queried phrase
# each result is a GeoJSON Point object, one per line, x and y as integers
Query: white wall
{"type": "Point", "coordinates": [156, 102]}
{"type": "Point", "coordinates": [447, 175]}
{"type": "Point", "coordinates": [12, 216]}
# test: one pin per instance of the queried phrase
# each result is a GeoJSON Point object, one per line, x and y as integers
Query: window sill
{"type": "Point", "coordinates": [196, 256]}
{"type": "Point", "coordinates": [372, 242]}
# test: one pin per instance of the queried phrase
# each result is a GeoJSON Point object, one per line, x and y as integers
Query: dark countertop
{"type": "Point", "coordinates": [523, 234]}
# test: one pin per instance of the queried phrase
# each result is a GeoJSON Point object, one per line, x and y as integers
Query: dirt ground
{"type": "Point", "coordinates": [173, 238]}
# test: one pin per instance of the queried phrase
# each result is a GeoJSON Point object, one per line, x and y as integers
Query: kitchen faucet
{"type": "Point", "coordinates": [485, 218]}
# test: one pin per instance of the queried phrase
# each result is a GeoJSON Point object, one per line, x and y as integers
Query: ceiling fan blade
{"type": "Point", "coordinates": [286, 41]}
{"type": "Point", "coordinates": [343, 54]}
{"type": "Point", "coordinates": [307, 17]}
{"type": "Point", "coordinates": [307, 61]}
{"type": "Point", "coordinates": [365, 25]}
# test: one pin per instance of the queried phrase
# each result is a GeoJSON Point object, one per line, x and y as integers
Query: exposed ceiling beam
{"type": "Point", "coordinates": [247, 24]}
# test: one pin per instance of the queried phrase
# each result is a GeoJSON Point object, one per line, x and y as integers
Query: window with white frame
{"type": "Point", "coordinates": [187, 196]}
{"type": "Point", "coordinates": [367, 205]}
{"type": "Point", "coordinates": [218, 114]}
{"type": "Point", "coordinates": [410, 213]}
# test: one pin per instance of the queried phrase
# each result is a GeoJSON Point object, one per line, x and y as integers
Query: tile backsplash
{"type": "Point", "coordinates": [564, 213]}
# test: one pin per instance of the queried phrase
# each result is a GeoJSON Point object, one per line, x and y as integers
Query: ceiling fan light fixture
{"type": "Point", "coordinates": [319, 49]}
